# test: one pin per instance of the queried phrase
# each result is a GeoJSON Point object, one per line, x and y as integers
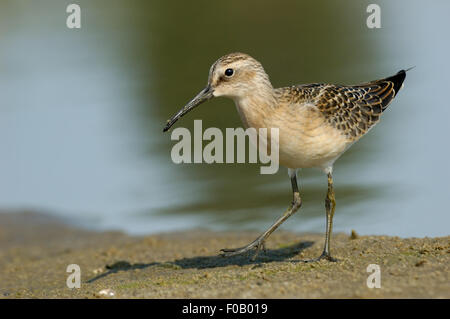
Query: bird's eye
{"type": "Point", "coordinates": [229, 72]}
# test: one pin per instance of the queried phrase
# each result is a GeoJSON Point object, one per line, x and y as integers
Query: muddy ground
{"type": "Point", "coordinates": [35, 251]}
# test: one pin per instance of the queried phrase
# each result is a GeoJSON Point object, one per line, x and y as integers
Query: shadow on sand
{"type": "Point", "coordinates": [202, 262]}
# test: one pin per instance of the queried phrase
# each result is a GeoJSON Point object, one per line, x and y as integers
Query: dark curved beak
{"type": "Point", "coordinates": [203, 96]}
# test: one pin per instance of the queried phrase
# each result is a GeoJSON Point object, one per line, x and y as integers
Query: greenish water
{"type": "Point", "coordinates": [82, 113]}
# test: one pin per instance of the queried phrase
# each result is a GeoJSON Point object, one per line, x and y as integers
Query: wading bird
{"type": "Point", "coordinates": [317, 122]}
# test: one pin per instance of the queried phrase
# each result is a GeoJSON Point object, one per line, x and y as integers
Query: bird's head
{"type": "Point", "coordinates": [234, 75]}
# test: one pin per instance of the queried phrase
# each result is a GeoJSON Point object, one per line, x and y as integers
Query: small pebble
{"type": "Point", "coordinates": [106, 293]}
{"type": "Point", "coordinates": [354, 234]}
{"type": "Point", "coordinates": [420, 263]}
{"type": "Point", "coordinates": [97, 271]}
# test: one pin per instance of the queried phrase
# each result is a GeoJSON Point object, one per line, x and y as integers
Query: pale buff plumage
{"type": "Point", "coordinates": [305, 137]}
{"type": "Point", "coordinates": [316, 122]}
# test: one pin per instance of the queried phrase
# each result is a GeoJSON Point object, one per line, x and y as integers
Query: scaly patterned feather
{"type": "Point", "coordinates": [351, 109]}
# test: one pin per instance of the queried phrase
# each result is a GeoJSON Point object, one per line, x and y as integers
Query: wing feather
{"type": "Point", "coordinates": [351, 109]}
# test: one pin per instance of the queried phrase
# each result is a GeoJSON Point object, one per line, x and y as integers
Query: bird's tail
{"type": "Point", "coordinates": [397, 80]}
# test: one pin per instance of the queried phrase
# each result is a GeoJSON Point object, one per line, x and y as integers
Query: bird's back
{"type": "Point", "coordinates": [351, 109]}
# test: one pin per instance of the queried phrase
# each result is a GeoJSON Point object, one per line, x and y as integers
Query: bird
{"type": "Point", "coordinates": [317, 123]}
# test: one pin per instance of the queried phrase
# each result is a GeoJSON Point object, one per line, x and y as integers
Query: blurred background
{"type": "Point", "coordinates": [82, 112]}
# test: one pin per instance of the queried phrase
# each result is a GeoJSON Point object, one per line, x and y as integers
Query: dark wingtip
{"type": "Point", "coordinates": [398, 79]}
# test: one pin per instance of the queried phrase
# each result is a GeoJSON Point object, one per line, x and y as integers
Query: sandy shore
{"type": "Point", "coordinates": [35, 251]}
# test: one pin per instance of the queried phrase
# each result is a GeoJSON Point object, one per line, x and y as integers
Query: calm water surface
{"type": "Point", "coordinates": [82, 111]}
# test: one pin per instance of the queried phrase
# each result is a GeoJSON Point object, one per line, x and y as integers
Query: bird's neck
{"type": "Point", "coordinates": [256, 107]}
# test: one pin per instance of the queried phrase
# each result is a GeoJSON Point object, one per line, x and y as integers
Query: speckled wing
{"type": "Point", "coordinates": [351, 109]}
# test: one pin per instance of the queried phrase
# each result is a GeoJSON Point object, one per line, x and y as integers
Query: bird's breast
{"type": "Point", "coordinates": [306, 139]}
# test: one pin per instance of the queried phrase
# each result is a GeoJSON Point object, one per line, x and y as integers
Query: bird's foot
{"type": "Point", "coordinates": [258, 244]}
{"type": "Point", "coordinates": [325, 255]}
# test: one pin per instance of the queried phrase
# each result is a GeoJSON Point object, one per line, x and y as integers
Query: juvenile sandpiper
{"type": "Point", "coordinates": [317, 123]}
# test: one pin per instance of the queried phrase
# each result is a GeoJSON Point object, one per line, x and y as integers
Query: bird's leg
{"type": "Point", "coordinates": [258, 243]}
{"type": "Point", "coordinates": [330, 205]}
